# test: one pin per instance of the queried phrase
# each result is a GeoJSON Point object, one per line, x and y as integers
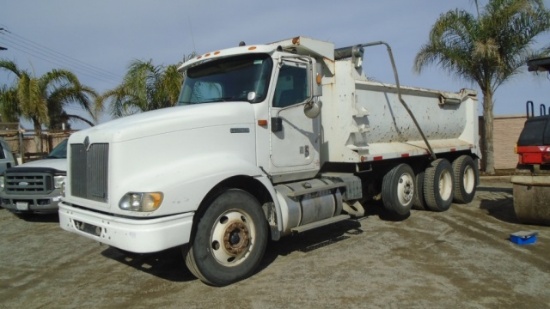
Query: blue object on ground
{"type": "Point", "coordinates": [524, 237]}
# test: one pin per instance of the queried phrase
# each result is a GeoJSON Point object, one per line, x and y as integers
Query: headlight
{"type": "Point", "coordinates": [1, 182]}
{"type": "Point", "coordinates": [63, 189]}
{"type": "Point", "coordinates": [58, 181]}
{"type": "Point", "coordinates": [141, 201]}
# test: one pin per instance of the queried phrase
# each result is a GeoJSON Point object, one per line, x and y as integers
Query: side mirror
{"type": "Point", "coordinates": [312, 109]}
{"type": "Point", "coordinates": [251, 96]}
{"type": "Point", "coordinates": [276, 124]}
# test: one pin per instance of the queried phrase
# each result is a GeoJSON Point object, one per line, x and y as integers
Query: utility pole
{"type": "Point", "coordinates": [1, 47]}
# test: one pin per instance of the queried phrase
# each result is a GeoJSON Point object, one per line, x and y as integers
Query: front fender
{"type": "Point", "coordinates": [186, 183]}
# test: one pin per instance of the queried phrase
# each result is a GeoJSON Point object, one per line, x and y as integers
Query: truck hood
{"type": "Point", "coordinates": [168, 120]}
{"type": "Point", "coordinates": [58, 164]}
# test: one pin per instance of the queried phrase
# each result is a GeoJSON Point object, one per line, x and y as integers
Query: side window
{"type": "Point", "coordinates": [291, 85]}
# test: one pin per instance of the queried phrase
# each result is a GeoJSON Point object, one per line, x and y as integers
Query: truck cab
{"type": "Point", "coordinates": [533, 145]}
{"type": "Point", "coordinates": [273, 85]}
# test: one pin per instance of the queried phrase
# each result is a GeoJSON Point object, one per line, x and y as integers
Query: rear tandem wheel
{"type": "Point", "coordinates": [438, 185]}
{"type": "Point", "coordinates": [398, 189]}
{"type": "Point", "coordinates": [465, 179]}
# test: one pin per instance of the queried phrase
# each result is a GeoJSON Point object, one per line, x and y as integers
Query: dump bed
{"type": "Point", "coordinates": [365, 121]}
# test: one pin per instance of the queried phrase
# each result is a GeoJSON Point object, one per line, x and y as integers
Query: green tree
{"type": "Point", "coordinates": [9, 109]}
{"type": "Point", "coordinates": [42, 99]}
{"type": "Point", "coordinates": [145, 87]}
{"type": "Point", "coordinates": [73, 92]}
{"type": "Point", "coordinates": [487, 50]}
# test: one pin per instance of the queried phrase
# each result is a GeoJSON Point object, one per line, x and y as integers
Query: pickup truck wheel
{"type": "Point", "coordinates": [398, 190]}
{"type": "Point", "coordinates": [465, 179]}
{"type": "Point", "coordinates": [229, 240]}
{"type": "Point", "coordinates": [438, 185]}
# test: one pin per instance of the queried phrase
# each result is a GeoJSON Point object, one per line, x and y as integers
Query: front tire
{"type": "Point", "coordinates": [398, 189]}
{"type": "Point", "coordinates": [229, 240]}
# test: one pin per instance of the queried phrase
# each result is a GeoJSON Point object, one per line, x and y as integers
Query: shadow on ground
{"type": "Point", "coordinates": [170, 264]}
{"type": "Point", "coordinates": [498, 202]}
{"type": "Point", "coordinates": [495, 189]}
{"type": "Point", "coordinates": [44, 218]}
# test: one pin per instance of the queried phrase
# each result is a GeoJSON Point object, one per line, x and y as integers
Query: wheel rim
{"type": "Point", "coordinates": [469, 180]}
{"type": "Point", "coordinates": [405, 189]}
{"type": "Point", "coordinates": [232, 237]}
{"type": "Point", "coordinates": [445, 185]}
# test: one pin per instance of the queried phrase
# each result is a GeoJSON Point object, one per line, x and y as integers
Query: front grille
{"type": "Point", "coordinates": [89, 171]}
{"type": "Point", "coordinates": [29, 181]}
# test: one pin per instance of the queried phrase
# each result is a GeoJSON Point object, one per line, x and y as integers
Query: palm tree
{"type": "Point", "coordinates": [487, 50]}
{"type": "Point", "coordinates": [42, 99]}
{"type": "Point", "coordinates": [145, 87]}
{"type": "Point", "coordinates": [9, 109]}
{"type": "Point", "coordinates": [71, 92]}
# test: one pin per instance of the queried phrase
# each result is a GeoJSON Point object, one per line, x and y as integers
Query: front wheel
{"type": "Point", "coordinates": [229, 240]}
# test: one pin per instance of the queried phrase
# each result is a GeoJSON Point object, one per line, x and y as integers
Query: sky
{"type": "Point", "coordinates": [98, 39]}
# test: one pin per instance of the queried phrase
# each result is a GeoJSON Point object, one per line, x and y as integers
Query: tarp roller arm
{"type": "Point", "coordinates": [357, 51]}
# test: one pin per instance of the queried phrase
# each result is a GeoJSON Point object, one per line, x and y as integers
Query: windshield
{"type": "Point", "coordinates": [239, 78]}
{"type": "Point", "coordinates": [59, 152]}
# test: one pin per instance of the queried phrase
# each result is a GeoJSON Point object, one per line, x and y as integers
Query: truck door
{"type": "Point", "coordinates": [295, 138]}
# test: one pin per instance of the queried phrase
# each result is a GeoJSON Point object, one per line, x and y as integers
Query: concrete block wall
{"type": "Point", "coordinates": [506, 130]}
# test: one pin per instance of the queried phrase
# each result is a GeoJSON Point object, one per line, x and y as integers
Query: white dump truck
{"type": "Point", "coordinates": [267, 141]}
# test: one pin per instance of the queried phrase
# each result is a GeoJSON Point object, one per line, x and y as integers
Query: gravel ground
{"type": "Point", "coordinates": [461, 258]}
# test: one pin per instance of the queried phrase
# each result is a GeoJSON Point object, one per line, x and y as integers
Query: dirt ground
{"type": "Point", "coordinates": [461, 258]}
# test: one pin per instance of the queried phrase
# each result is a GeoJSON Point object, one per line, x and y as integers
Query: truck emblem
{"type": "Point", "coordinates": [87, 143]}
{"type": "Point", "coordinates": [239, 130]}
{"type": "Point", "coordinates": [23, 184]}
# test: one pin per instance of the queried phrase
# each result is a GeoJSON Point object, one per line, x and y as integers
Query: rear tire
{"type": "Point", "coordinates": [465, 179]}
{"type": "Point", "coordinates": [398, 189]}
{"type": "Point", "coordinates": [230, 239]}
{"type": "Point", "coordinates": [419, 202]}
{"type": "Point", "coordinates": [438, 185]}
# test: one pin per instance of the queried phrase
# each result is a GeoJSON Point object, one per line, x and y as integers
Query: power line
{"type": "Point", "coordinates": [44, 57]}
{"type": "Point", "coordinates": [47, 54]}
{"type": "Point", "coordinates": [57, 58]}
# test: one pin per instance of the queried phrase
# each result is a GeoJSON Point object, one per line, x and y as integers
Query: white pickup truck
{"type": "Point", "coordinates": [35, 187]}
{"type": "Point", "coordinates": [267, 141]}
